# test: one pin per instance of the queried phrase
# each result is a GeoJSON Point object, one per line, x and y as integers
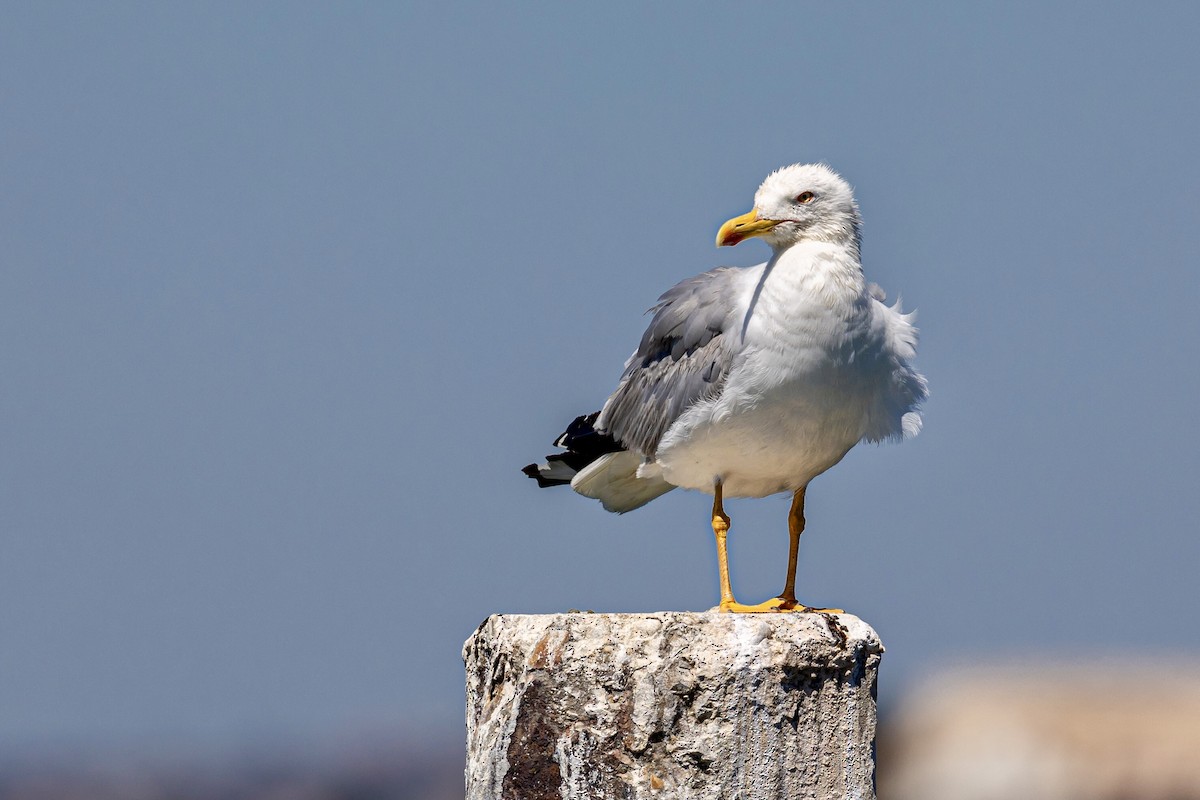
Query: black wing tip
{"type": "Point", "coordinates": [583, 444]}
{"type": "Point", "coordinates": [583, 425]}
{"type": "Point", "coordinates": [543, 482]}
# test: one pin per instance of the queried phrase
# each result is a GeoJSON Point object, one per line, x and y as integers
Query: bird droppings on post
{"type": "Point", "coordinates": [695, 706]}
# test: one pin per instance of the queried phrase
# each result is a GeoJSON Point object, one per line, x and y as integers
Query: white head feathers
{"type": "Point", "coordinates": [812, 202]}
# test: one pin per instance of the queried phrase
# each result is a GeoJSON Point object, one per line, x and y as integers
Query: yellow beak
{"type": "Point", "coordinates": [744, 227]}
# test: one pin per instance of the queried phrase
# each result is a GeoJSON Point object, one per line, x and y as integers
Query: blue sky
{"type": "Point", "coordinates": [290, 292]}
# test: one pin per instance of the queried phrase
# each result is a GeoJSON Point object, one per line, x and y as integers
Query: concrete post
{"type": "Point", "coordinates": [688, 706]}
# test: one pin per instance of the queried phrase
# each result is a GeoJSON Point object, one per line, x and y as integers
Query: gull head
{"type": "Point", "coordinates": [803, 202]}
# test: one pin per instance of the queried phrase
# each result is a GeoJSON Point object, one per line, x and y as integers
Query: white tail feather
{"type": "Point", "coordinates": [612, 479]}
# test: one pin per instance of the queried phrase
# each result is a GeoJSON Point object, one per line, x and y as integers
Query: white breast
{"type": "Point", "coordinates": [797, 397]}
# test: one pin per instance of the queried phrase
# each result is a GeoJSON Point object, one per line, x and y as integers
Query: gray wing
{"type": "Point", "coordinates": [684, 357]}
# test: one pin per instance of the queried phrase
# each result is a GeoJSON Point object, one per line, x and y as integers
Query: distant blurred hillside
{"type": "Point", "coordinates": [1046, 731]}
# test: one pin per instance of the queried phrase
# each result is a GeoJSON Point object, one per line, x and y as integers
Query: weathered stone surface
{"type": "Point", "coordinates": [695, 706]}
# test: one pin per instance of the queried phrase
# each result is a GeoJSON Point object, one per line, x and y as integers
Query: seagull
{"type": "Point", "coordinates": [752, 381]}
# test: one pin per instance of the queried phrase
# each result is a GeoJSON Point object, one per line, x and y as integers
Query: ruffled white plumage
{"type": "Point", "coordinates": [820, 365]}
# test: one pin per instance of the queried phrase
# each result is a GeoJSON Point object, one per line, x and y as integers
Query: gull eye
{"type": "Point", "coordinates": [805, 197]}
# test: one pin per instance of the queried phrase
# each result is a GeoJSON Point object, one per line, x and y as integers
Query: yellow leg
{"type": "Point", "coordinates": [787, 600]}
{"type": "Point", "coordinates": [795, 528]}
{"type": "Point", "coordinates": [720, 524]}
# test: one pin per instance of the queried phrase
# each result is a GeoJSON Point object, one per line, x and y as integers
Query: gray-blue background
{"type": "Point", "coordinates": [289, 292]}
